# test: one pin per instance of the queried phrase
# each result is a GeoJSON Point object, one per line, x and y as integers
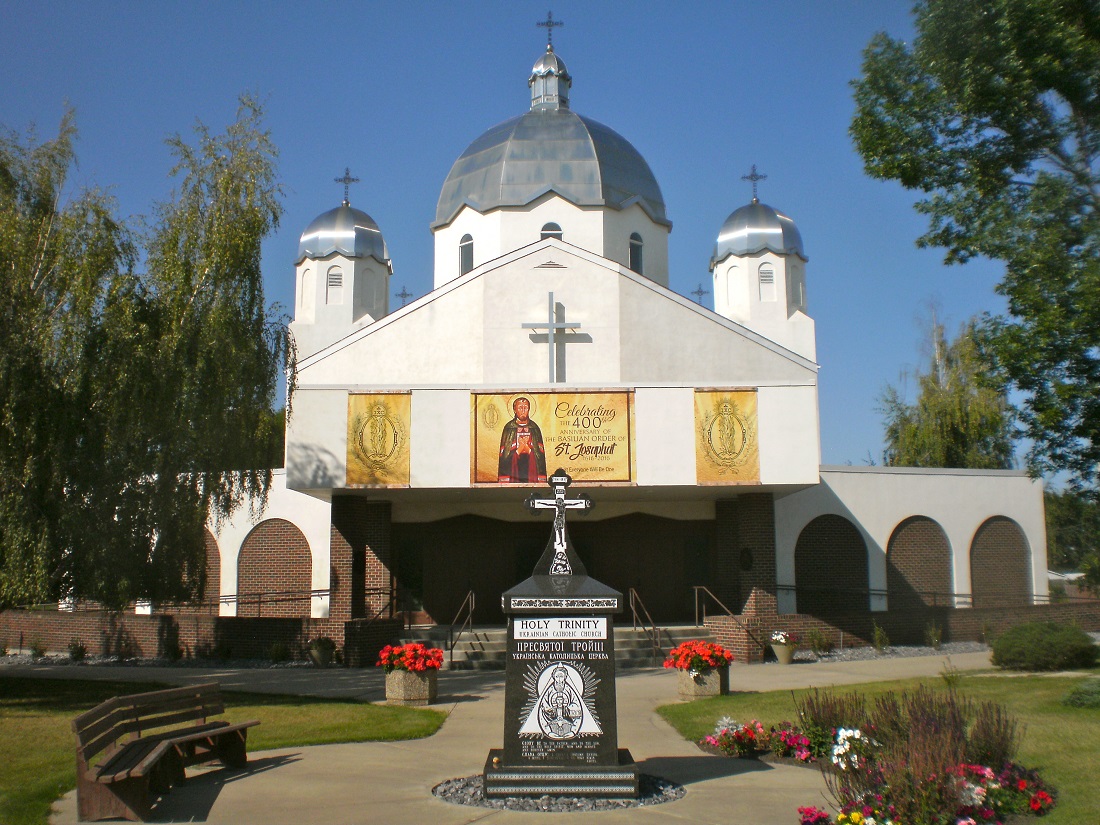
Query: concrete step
{"type": "Point", "coordinates": [485, 648]}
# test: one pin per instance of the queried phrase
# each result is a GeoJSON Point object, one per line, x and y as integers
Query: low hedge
{"type": "Point", "coordinates": [1044, 646]}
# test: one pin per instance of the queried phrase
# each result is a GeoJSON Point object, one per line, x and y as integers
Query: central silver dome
{"type": "Point", "coordinates": [550, 148]}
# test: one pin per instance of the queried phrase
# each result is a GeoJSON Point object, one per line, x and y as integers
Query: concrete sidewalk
{"type": "Point", "coordinates": [391, 782]}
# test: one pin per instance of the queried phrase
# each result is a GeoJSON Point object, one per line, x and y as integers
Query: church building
{"type": "Point", "coordinates": [418, 432]}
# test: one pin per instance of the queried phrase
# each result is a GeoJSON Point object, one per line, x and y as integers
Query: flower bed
{"type": "Point", "coordinates": [414, 657]}
{"type": "Point", "coordinates": [919, 757]}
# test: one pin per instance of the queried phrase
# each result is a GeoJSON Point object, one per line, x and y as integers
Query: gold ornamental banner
{"type": "Point", "coordinates": [518, 437]}
{"type": "Point", "coordinates": [726, 447]}
{"type": "Point", "coordinates": [378, 439]}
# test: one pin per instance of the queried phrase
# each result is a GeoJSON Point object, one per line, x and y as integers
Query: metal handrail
{"type": "Point", "coordinates": [649, 626]}
{"type": "Point", "coordinates": [469, 604]}
{"type": "Point", "coordinates": [704, 591]}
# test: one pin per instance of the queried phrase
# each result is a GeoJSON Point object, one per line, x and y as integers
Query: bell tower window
{"type": "Point", "coordinates": [551, 230]}
{"type": "Point", "coordinates": [635, 252]}
{"type": "Point", "coordinates": [767, 282]}
{"type": "Point", "coordinates": [334, 293]}
{"type": "Point", "coordinates": [466, 254]}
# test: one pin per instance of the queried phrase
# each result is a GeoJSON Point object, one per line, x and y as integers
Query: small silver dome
{"type": "Point", "coordinates": [754, 228]}
{"type": "Point", "coordinates": [349, 231]}
{"type": "Point", "coordinates": [549, 63]}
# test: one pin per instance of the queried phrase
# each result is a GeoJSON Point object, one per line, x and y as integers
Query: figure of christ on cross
{"type": "Point", "coordinates": [560, 482]}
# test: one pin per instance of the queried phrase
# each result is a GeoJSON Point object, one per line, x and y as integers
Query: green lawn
{"type": "Point", "coordinates": [37, 747]}
{"type": "Point", "coordinates": [1062, 742]}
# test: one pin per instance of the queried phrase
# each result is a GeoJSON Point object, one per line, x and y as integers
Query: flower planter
{"type": "Point", "coordinates": [784, 654]}
{"type": "Point", "coordinates": [711, 682]}
{"type": "Point", "coordinates": [411, 687]}
{"type": "Point", "coordinates": [321, 656]}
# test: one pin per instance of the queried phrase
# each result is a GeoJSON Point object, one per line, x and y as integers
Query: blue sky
{"type": "Point", "coordinates": [397, 91]}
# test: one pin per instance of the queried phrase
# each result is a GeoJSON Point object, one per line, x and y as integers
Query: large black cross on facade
{"type": "Point", "coordinates": [549, 23]}
{"type": "Point", "coordinates": [559, 482]}
{"type": "Point", "coordinates": [555, 321]}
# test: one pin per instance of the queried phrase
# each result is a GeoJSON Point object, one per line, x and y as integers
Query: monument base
{"type": "Point", "coordinates": [603, 781]}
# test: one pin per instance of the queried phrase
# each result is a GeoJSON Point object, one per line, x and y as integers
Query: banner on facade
{"type": "Point", "coordinates": [378, 439]}
{"type": "Point", "coordinates": [517, 437]}
{"type": "Point", "coordinates": [726, 447]}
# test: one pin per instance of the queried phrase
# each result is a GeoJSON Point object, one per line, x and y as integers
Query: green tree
{"type": "Point", "coordinates": [1073, 529]}
{"type": "Point", "coordinates": [958, 419]}
{"type": "Point", "coordinates": [136, 400]}
{"type": "Point", "coordinates": [993, 112]}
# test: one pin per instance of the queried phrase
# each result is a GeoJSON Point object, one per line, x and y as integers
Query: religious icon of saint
{"type": "Point", "coordinates": [522, 451]}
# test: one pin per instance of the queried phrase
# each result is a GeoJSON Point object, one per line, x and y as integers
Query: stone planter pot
{"type": "Point", "coordinates": [713, 682]}
{"type": "Point", "coordinates": [408, 687]}
{"type": "Point", "coordinates": [784, 654]}
{"type": "Point", "coordinates": [321, 656]}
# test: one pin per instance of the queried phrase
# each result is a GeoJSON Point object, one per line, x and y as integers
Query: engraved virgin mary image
{"type": "Point", "coordinates": [522, 451]}
{"type": "Point", "coordinates": [561, 710]}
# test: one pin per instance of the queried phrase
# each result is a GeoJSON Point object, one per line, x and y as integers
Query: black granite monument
{"type": "Point", "coordinates": [560, 722]}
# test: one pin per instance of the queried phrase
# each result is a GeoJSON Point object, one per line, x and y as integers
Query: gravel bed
{"type": "Point", "coordinates": [856, 654]}
{"type": "Point", "coordinates": [469, 791]}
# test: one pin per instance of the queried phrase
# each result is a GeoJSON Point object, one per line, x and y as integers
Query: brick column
{"type": "Point", "coordinates": [360, 556]}
{"type": "Point", "coordinates": [727, 581]}
{"type": "Point", "coordinates": [756, 553]}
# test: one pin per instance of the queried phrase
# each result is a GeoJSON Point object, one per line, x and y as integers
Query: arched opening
{"type": "Point", "coordinates": [551, 230]}
{"type": "Point", "coordinates": [830, 568]}
{"type": "Point", "coordinates": [334, 286]}
{"type": "Point", "coordinates": [767, 282]}
{"type": "Point", "coordinates": [466, 254]}
{"type": "Point", "coordinates": [212, 586]}
{"type": "Point", "coordinates": [274, 571]}
{"type": "Point", "coordinates": [636, 245]}
{"type": "Point", "coordinates": [1000, 565]}
{"type": "Point", "coordinates": [918, 565]}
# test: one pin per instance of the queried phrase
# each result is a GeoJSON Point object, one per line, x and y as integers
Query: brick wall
{"type": "Point", "coordinates": [1000, 565]}
{"type": "Point", "coordinates": [126, 634]}
{"type": "Point", "coordinates": [747, 637]}
{"type": "Point", "coordinates": [360, 555]}
{"type": "Point", "coordinates": [274, 571]}
{"type": "Point", "coordinates": [830, 567]}
{"type": "Point", "coordinates": [918, 565]}
{"type": "Point", "coordinates": [756, 556]}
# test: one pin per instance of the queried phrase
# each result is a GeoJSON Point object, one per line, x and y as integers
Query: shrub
{"type": "Point", "coordinates": [1044, 646]}
{"type": "Point", "coordinates": [822, 713]}
{"type": "Point", "coordinates": [1084, 695]}
{"type": "Point", "coordinates": [278, 652]}
{"type": "Point", "coordinates": [879, 639]}
{"type": "Point", "coordinates": [951, 675]}
{"type": "Point", "coordinates": [818, 642]}
{"type": "Point", "coordinates": [994, 736]}
{"type": "Point", "coordinates": [77, 650]}
{"type": "Point", "coordinates": [38, 650]}
{"type": "Point", "coordinates": [933, 635]}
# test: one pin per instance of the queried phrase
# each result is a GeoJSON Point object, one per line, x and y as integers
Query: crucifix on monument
{"type": "Point", "coordinates": [555, 321]}
{"type": "Point", "coordinates": [560, 565]}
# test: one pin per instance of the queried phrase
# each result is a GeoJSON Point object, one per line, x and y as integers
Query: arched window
{"type": "Point", "coordinates": [466, 254]}
{"type": "Point", "coordinates": [767, 282]}
{"type": "Point", "coordinates": [551, 230]}
{"type": "Point", "coordinates": [635, 252]}
{"type": "Point", "coordinates": [334, 293]}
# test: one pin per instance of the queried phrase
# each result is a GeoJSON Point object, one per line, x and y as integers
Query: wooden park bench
{"type": "Point", "coordinates": [131, 748]}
